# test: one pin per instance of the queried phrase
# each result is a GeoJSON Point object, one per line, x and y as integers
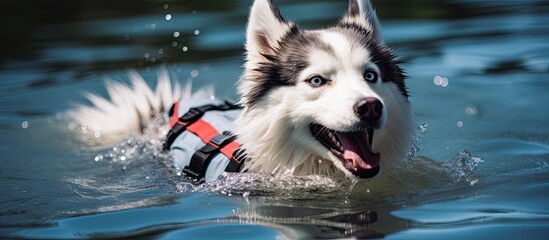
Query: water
{"type": "Point", "coordinates": [478, 78]}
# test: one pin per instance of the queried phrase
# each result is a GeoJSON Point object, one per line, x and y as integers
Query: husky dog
{"type": "Point", "coordinates": [329, 101]}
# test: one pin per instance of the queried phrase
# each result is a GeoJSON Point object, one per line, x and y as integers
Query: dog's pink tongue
{"type": "Point", "coordinates": [357, 151]}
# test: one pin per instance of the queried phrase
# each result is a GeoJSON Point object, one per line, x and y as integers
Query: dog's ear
{"type": "Point", "coordinates": [265, 28]}
{"type": "Point", "coordinates": [361, 12]}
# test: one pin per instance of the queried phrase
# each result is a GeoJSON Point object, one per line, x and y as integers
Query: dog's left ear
{"type": "Point", "coordinates": [361, 12]}
{"type": "Point", "coordinates": [266, 27]}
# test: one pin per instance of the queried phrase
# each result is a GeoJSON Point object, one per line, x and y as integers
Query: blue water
{"type": "Point", "coordinates": [478, 79]}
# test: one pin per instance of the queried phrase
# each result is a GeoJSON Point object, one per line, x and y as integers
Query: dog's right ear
{"type": "Point", "coordinates": [361, 13]}
{"type": "Point", "coordinates": [265, 28]}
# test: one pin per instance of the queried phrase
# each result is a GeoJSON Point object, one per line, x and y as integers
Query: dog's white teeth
{"type": "Point", "coordinates": [332, 136]}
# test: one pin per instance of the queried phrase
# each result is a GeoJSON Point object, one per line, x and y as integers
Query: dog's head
{"type": "Point", "coordinates": [320, 100]}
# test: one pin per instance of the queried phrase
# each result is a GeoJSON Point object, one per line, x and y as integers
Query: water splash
{"type": "Point", "coordinates": [421, 130]}
{"type": "Point", "coordinates": [461, 167]}
{"type": "Point", "coordinates": [255, 184]}
{"type": "Point", "coordinates": [139, 147]}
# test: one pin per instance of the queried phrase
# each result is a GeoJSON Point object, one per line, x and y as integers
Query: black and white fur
{"type": "Point", "coordinates": [302, 92]}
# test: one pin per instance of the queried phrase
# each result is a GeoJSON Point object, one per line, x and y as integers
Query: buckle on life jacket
{"type": "Point", "coordinates": [201, 159]}
{"type": "Point", "coordinates": [192, 115]}
{"type": "Point", "coordinates": [223, 139]}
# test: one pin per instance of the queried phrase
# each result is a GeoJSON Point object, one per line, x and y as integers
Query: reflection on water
{"type": "Point", "coordinates": [478, 78]}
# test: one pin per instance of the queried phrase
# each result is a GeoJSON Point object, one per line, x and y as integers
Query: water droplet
{"type": "Point", "coordinates": [146, 55]}
{"type": "Point", "coordinates": [168, 17]}
{"type": "Point", "coordinates": [147, 177]}
{"type": "Point", "coordinates": [193, 12]}
{"type": "Point", "coordinates": [472, 182]}
{"type": "Point", "coordinates": [423, 128]}
{"type": "Point", "coordinates": [153, 26]}
{"type": "Point", "coordinates": [127, 37]}
{"type": "Point", "coordinates": [194, 73]}
{"type": "Point", "coordinates": [176, 34]}
{"type": "Point", "coordinates": [153, 59]}
{"type": "Point", "coordinates": [160, 51]}
{"type": "Point", "coordinates": [459, 124]}
{"type": "Point", "coordinates": [123, 158]}
{"type": "Point", "coordinates": [97, 134]}
{"type": "Point", "coordinates": [471, 111]}
{"type": "Point", "coordinates": [174, 44]}
{"type": "Point", "coordinates": [25, 124]}
{"type": "Point", "coordinates": [196, 32]}
{"type": "Point", "coordinates": [437, 80]}
{"type": "Point", "coordinates": [165, 6]}
{"type": "Point", "coordinates": [184, 49]}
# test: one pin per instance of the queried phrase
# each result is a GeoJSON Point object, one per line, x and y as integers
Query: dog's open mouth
{"type": "Point", "coordinates": [354, 149]}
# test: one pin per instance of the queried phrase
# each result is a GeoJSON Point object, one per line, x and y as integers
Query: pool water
{"type": "Point", "coordinates": [479, 85]}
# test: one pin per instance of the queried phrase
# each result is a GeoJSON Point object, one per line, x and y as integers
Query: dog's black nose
{"type": "Point", "coordinates": [368, 109]}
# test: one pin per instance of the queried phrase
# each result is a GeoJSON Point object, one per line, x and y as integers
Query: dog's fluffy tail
{"type": "Point", "coordinates": [127, 109]}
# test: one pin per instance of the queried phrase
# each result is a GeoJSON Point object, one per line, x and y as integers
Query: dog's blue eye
{"type": "Point", "coordinates": [370, 76]}
{"type": "Point", "coordinates": [316, 81]}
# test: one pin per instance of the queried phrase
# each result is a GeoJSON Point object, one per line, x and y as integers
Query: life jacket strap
{"type": "Point", "coordinates": [180, 124]}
